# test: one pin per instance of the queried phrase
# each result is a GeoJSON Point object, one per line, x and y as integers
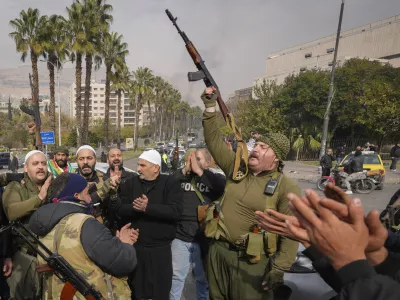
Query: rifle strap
{"type": "Point", "coordinates": [196, 190]}
{"type": "Point", "coordinates": [241, 151]}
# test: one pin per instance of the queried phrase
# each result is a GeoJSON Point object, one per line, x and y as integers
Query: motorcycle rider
{"type": "Point", "coordinates": [354, 170]}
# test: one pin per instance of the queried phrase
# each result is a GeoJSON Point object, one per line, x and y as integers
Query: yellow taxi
{"type": "Point", "coordinates": [372, 163]}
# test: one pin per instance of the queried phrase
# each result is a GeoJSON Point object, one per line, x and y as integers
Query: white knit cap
{"type": "Point", "coordinates": [30, 153]}
{"type": "Point", "coordinates": [151, 156]}
{"type": "Point", "coordinates": [85, 147]}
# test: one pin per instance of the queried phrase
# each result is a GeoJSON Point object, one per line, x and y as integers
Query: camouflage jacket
{"type": "Point", "coordinates": [103, 260]}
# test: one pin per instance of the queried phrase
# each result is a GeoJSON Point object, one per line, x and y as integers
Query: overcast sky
{"type": "Point", "coordinates": [233, 36]}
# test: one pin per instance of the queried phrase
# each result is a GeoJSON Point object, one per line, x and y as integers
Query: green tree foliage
{"type": "Point", "coordinates": [366, 100]}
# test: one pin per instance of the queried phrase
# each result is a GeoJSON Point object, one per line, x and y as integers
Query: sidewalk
{"type": "Point", "coordinates": [300, 171]}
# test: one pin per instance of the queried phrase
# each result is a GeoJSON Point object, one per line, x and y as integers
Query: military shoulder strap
{"type": "Point", "coordinates": [196, 190]}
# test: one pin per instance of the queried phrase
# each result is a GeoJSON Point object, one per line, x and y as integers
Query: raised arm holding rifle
{"type": "Point", "coordinates": [239, 263]}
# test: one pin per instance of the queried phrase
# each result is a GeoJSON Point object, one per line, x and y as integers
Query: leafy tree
{"type": "Point", "coordinates": [28, 36]}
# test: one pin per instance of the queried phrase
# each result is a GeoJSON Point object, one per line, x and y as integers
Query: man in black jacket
{"type": "Point", "coordinates": [123, 194]}
{"type": "Point", "coordinates": [356, 170]}
{"type": "Point", "coordinates": [326, 162]}
{"type": "Point", "coordinates": [200, 186]}
{"type": "Point", "coordinates": [395, 156]}
{"type": "Point", "coordinates": [155, 211]}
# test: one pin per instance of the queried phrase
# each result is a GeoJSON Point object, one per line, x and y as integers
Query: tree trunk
{"type": "Point", "coordinates": [119, 119]}
{"type": "Point", "coordinates": [155, 124]}
{"type": "Point", "coordinates": [161, 123]}
{"type": "Point", "coordinates": [78, 101]}
{"type": "Point", "coordinates": [52, 108]}
{"type": "Point", "coordinates": [35, 100]}
{"type": "Point", "coordinates": [135, 147]}
{"type": "Point", "coordinates": [107, 106]}
{"type": "Point", "coordinates": [89, 63]}
{"type": "Point", "coordinates": [151, 120]}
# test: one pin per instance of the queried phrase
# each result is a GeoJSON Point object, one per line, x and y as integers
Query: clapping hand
{"type": "Point", "coordinates": [128, 235]}
{"type": "Point", "coordinates": [140, 203]}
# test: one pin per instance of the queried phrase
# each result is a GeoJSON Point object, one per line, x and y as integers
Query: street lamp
{"type": "Point", "coordinates": [57, 67]}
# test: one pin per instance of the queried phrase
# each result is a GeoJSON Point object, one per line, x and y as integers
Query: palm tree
{"type": "Point", "coordinates": [165, 96]}
{"type": "Point", "coordinates": [57, 48]}
{"type": "Point", "coordinates": [121, 80]}
{"type": "Point", "coordinates": [79, 45]}
{"type": "Point", "coordinates": [142, 81]}
{"type": "Point", "coordinates": [96, 25]}
{"type": "Point", "coordinates": [158, 86]}
{"type": "Point", "coordinates": [113, 51]}
{"type": "Point", "coordinates": [28, 37]}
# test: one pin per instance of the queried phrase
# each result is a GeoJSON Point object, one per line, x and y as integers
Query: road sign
{"type": "Point", "coordinates": [129, 143]}
{"type": "Point", "coordinates": [48, 138]}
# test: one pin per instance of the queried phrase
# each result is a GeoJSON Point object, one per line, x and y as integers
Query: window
{"type": "Point", "coordinates": [95, 89]}
{"type": "Point", "coordinates": [94, 101]}
{"type": "Point", "coordinates": [102, 114]}
{"type": "Point", "coordinates": [101, 101]}
{"type": "Point", "coordinates": [102, 107]}
{"type": "Point", "coordinates": [95, 108]}
{"type": "Point", "coordinates": [102, 95]}
{"type": "Point", "coordinates": [101, 89]}
{"type": "Point", "coordinates": [95, 95]}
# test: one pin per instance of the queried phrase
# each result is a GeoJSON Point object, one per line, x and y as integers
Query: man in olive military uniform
{"type": "Point", "coordinates": [20, 200]}
{"type": "Point", "coordinates": [239, 264]}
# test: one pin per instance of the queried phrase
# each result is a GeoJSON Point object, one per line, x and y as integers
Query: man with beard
{"type": "Point", "coordinates": [155, 211]}
{"type": "Point", "coordinates": [124, 192]}
{"type": "Point", "coordinates": [238, 262]}
{"type": "Point", "coordinates": [99, 187]}
{"type": "Point", "coordinates": [59, 164]}
{"type": "Point", "coordinates": [20, 200]}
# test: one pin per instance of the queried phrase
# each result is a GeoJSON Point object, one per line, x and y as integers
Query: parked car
{"type": "Point", "coordinates": [193, 146]}
{"type": "Point", "coordinates": [372, 162]}
{"type": "Point", "coordinates": [4, 158]}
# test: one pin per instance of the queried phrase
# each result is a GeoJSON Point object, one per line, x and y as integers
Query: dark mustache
{"type": "Point", "coordinates": [86, 166]}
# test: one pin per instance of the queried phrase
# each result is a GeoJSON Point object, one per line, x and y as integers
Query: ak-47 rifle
{"type": "Point", "coordinates": [74, 282]}
{"type": "Point", "coordinates": [240, 170]}
{"type": "Point", "coordinates": [33, 110]}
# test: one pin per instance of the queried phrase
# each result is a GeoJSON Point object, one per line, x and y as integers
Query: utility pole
{"type": "Point", "coordinates": [328, 106]}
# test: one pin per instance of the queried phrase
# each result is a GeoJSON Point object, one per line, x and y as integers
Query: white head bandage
{"type": "Point", "coordinates": [29, 154]}
{"type": "Point", "coordinates": [86, 147]}
{"type": "Point", "coordinates": [151, 156]}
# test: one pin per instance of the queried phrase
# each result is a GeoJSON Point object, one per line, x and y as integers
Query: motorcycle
{"type": "Point", "coordinates": [361, 186]}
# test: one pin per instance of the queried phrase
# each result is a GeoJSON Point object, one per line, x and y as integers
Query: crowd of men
{"type": "Point", "coordinates": [135, 235]}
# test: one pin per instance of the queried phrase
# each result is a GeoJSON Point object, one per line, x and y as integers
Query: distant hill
{"type": "Point", "coordinates": [14, 82]}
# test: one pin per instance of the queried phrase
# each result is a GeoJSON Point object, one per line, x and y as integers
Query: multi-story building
{"type": "Point", "coordinates": [97, 105]}
{"type": "Point", "coordinates": [375, 41]}
{"type": "Point", "coordinates": [45, 105]}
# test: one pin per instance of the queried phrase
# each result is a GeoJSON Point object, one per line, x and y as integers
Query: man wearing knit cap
{"type": "Point", "coordinates": [103, 260]}
{"type": "Point", "coordinates": [238, 262]}
{"type": "Point", "coordinates": [59, 164]}
{"type": "Point", "coordinates": [20, 200]}
{"type": "Point", "coordinates": [155, 210]}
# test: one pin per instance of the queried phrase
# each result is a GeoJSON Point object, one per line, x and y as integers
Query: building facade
{"type": "Point", "coordinates": [375, 41]}
{"type": "Point", "coordinates": [97, 105]}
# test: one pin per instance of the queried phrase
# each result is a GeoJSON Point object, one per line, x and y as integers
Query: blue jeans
{"type": "Point", "coordinates": [183, 255]}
